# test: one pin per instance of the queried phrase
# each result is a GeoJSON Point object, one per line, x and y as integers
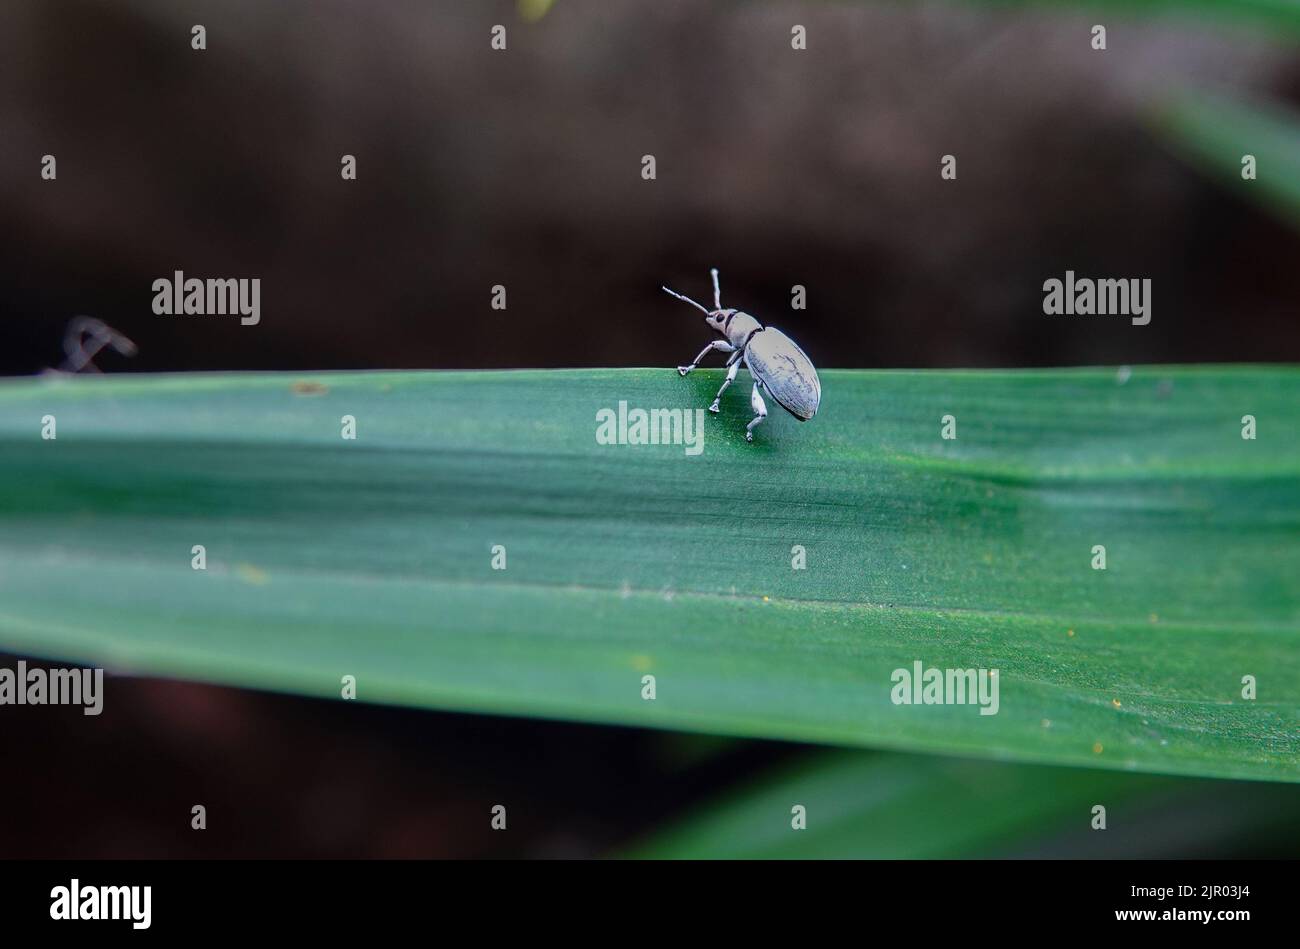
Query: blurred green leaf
{"type": "Point", "coordinates": [1272, 15]}
{"type": "Point", "coordinates": [892, 806]}
{"type": "Point", "coordinates": [1216, 133]}
{"type": "Point", "coordinates": [533, 10]}
{"type": "Point", "coordinates": [372, 557]}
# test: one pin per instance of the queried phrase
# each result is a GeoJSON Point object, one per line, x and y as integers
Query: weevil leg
{"type": "Point", "coordinates": [721, 345]}
{"type": "Point", "coordinates": [734, 367]}
{"type": "Point", "coordinates": [760, 408]}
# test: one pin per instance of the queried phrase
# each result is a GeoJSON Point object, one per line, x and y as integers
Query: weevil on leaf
{"type": "Point", "coordinates": [779, 367]}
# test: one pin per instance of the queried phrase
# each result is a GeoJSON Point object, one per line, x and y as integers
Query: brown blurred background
{"type": "Point", "coordinates": [522, 168]}
{"type": "Point", "coordinates": [478, 167]}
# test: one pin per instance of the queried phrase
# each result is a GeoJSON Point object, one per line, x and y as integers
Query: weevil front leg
{"type": "Point", "coordinates": [734, 364]}
{"type": "Point", "coordinates": [760, 409]}
{"type": "Point", "coordinates": [721, 345]}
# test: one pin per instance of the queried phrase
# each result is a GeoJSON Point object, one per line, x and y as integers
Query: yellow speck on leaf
{"type": "Point", "coordinates": [254, 575]}
{"type": "Point", "coordinates": [1115, 702]}
{"type": "Point", "coordinates": [1070, 633]}
{"type": "Point", "coordinates": [1096, 749]}
{"type": "Point", "coordinates": [306, 387]}
{"type": "Point", "coordinates": [641, 663]}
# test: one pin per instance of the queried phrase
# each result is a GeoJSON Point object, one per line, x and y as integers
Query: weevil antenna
{"type": "Point", "coordinates": [717, 291]}
{"type": "Point", "coordinates": [685, 300]}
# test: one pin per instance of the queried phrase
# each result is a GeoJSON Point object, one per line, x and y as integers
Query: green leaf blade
{"type": "Point", "coordinates": [372, 557]}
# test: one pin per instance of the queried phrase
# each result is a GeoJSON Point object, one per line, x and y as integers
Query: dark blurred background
{"type": "Point", "coordinates": [523, 168]}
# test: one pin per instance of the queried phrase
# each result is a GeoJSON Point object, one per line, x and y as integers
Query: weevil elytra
{"type": "Point", "coordinates": [779, 367]}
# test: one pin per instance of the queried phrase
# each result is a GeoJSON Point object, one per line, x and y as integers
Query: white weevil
{"type": "Point", "coordinates": [779, 367]}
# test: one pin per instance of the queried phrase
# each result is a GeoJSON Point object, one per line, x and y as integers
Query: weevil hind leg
{"type": "Point", "coordinates": [721, 345]}
{"type": "Point", "coordinates": [734, 364]}
{"type": "Point", "coordinates": [760, 409]}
